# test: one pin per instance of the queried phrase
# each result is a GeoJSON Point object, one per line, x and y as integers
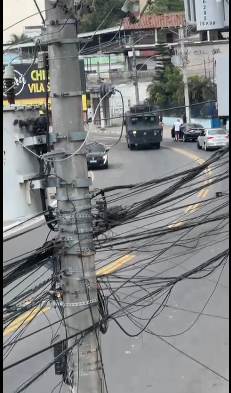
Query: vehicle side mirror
{"type": "Point", "coordinates": [107, 150]}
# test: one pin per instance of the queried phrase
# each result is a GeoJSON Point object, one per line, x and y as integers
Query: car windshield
{"type": "Point", "coordinates": [95, 148]}
{"type": "Point", "coordinates": [191, 125]}
{"type": "Point", "coordinates": [217, 132]}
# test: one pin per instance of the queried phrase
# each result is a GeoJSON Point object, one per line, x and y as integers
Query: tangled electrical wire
{"type": "Point", "coordinates": [139, 291]}
{"type": "Point", "coordinates": [142, 218]}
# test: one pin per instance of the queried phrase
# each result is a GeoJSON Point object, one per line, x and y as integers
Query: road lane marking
{"type": "Point", "coordinates": [205, 193]}
{"type": "Point", "coordinates": [175, 224]}
{"type": "Point", "coordinates": [23, 319]}
{"type": "Point", "coordinates": [29, 315]}
{"type": "Point", "coordinates": [192, 208]}
{"type": "Point", "coordinates": [114, 265]}
{"type": "Point", "coordinates": [208, 170]}
{"type": "Point", "coordinates": [202, 193]}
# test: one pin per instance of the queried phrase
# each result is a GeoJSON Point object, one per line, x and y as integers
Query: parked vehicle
{"type": "Point", "coordinates": [213, 139]}
{"type": "Point", "coordinates": [97, 155]}
{"type": "Point", "coordinates": [189, 131]}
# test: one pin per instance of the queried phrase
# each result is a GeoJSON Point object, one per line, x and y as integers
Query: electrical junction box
{"type": "Point", "coordinates": [21, 199]}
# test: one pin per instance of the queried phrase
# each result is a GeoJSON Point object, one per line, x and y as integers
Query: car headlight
{"type": "Point", "coordinates": [134, 132]}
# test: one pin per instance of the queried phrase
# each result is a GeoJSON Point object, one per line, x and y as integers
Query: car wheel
{"type": "Point", "coordinates": [128, 145]}
{"type": "Point", "coordinates": [184, 138]}
{"type": "Point", "coordinates": [199, 146]}
{"type": "Point", "coordinates": [158, 146]}
{"type": "Point", "coordinates": [205, 147]}
{"type": "Point", "coordinates": [131, 147]}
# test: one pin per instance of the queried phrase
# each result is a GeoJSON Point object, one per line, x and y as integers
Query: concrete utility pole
{"type": "Point", "coordinates": [102, 117]}
{"type": "Point", "coordinates": [185, 77]}
{"type": "Point", "coordinates": [76, 247]}
{"type": "Point", "coordinates": [135, 75]}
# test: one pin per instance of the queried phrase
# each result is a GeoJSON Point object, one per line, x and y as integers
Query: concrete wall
{"type": "Point", "coordinates": [222, 63]}
{"type": "Point", "coordinates": [128, 91]}
{"type": "Point", "coordinates": [169, 121]}
{"type": "Point", "coordinates": [201, 57]}
{"type": "Point", "coordinates": [207, 123]}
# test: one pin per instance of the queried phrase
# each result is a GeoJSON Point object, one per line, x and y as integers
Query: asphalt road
{"type": "Point", "coordinates": [146, 363]}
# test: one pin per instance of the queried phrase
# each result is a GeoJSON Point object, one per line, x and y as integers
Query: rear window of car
{"type": "Point", "coordinates": [217, 132]}
{"type": "Point", "coordinates": [95, 148]}
{"type": "Point", "coordinates": [196, 126]}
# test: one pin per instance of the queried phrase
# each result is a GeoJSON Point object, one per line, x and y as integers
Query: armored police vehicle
{"type": "Point", "coordinates": [142, 127]}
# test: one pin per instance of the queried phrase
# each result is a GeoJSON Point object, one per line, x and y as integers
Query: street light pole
{"type": "Point", "coordinates": [83, 369]}
{"type": "Point", "coordinates": [184, 71]}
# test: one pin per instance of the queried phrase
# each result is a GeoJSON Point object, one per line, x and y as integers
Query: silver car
{"type": "Point", "coordinates": [213, 139]}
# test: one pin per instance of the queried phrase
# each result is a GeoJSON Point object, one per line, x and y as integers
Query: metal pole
{"type": "Point", "coordinates": [102, 116]}
{"type": "Point", "coordinates": [185, 77]}
{"type": "Point", "coordinates": [135, 76]}
{"type": "Point", "coordinates": [76, 247]}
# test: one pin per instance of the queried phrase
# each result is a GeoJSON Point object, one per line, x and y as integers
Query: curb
{"type": "Point", "coordinates": [105, 132]}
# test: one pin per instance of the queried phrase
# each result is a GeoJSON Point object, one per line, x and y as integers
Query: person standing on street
{"type": "Point", "coordinates": [177, 126]}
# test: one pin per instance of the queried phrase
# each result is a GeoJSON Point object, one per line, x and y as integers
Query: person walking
{"type": "Point", "coordinates": [177, 126]}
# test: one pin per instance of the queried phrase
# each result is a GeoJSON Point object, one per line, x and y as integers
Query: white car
{"type": "Point", "coordinates": [213, 139]}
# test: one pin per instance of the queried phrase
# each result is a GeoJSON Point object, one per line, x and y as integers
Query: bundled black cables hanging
{"type": "Point", "coordinates": [28, 265]}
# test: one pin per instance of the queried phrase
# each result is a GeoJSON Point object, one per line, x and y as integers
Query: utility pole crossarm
{"type": "Point", "coordinates": [83, 367]}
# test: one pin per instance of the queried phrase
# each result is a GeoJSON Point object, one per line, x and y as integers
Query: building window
{"type": "Point", "coordinates": [169, 38]}
{"type": "Point", "coordinates": [142, 67]}
{"type": "Point", "coordinates": [204, 36]}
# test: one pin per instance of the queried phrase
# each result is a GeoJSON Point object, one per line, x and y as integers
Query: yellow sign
{"type": "Point", "coordinates": [42, 101]}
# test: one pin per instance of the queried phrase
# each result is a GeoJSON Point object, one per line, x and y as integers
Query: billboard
{"type": "Point", "coordinates": [222, 79]}
{"type": "Point", "coordinates": [31, 89]}
{"type": "Point", "coordinates": [209, 14]}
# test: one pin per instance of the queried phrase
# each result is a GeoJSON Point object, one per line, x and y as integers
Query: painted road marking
{"type": "Point", "coordinates": [175, 224]}
{"type": "Point", "coordinates": [192, 208]}
{"type": "Point", "coordinates": [29, 315]}
{"type": "Point", "coordinates": [203, 192]}
{"type": "Point", "coordinates": [24, 318]}
{"type": "Point", "coordinates": [115, 265]}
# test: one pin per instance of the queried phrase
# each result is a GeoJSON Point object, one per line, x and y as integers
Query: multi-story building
{"type": "Point", "coordinates": [32, 31]}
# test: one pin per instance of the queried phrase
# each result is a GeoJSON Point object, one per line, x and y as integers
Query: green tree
{"type": "Point", "coordinates": [17, 39]}
{"type": "Point", "coordinates": [166, 6]}
{"type": "Point", "coordinates": [166, 91]}
{"type": "Point", "coordinates": [169, 91]}
{"type": "Point", "coordinates": [163, 60]}
{"type": "Point", "coordinates": [108, 11]}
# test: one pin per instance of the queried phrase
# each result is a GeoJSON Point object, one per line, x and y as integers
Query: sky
{"type": "Point", "coordinates": [15, 10]}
